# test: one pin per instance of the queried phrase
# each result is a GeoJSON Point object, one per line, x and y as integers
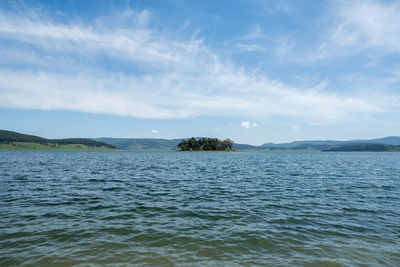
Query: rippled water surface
{"type": "Point", "coordinates": [199, 209]}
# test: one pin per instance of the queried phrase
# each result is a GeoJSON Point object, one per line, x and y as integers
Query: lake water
{"type": "Point", "coordinates": [64, 208]}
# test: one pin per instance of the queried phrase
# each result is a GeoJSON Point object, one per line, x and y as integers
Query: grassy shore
{"type": "Point", "coordinates": [36, 146]}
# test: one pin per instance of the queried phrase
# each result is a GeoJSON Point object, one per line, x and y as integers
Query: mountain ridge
{"type": "Point", "coordinates": [170, 144]}
{"type": "Point", "coordinates": [388, 140]}
{"type": "Point", "coordinates": [15, 140]}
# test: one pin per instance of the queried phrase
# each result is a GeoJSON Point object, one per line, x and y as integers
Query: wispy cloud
{"type": "Point", "coordinates": [296, 127]}
{"type": "Point", "coordinates": [165, 76]}
{"type": "Point", "coordinates": [355, 26]}
{"type": "Point", "coordinates": [344, 29]}
{"type": "Point", "coordinates": [368, 24]}
{"type": "Point", "coordinates": [255, 33]}
{"type": "Point", "coordinates": [249, 47]}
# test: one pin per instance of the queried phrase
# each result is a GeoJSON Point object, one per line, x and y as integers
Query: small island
{"type": "Point", "coordinates": [205, 144]}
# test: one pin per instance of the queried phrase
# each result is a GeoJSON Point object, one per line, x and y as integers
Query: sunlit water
{"type": "Point", "coordinates": [199, 209]}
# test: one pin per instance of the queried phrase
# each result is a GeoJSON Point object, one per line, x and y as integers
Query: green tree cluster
{"type": "Point", "coordinates": [205, 144]}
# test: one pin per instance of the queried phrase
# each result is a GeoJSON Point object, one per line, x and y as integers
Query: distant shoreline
{"type": "Point", "coordinates": [10, 140]}
{"type": "Point", "coordinates": [36, 146]}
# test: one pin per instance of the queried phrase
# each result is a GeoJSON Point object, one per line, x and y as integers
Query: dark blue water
{"type": "Point", "coordinates": [64, 208]}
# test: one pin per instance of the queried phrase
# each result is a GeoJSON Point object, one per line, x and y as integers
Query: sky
{"type": "Point", "coordinates": [253, 71]}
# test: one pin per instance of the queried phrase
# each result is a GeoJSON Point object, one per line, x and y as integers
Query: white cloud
{"type": "Point", "coordinates": [155, 131]}
{"type": "Point", "coordinates": [245, 124]}
{"type": "Point", "coordinates": [176, 78]}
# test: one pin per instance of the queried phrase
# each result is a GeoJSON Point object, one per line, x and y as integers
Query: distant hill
{"type": "Point", "coordinates": [157, 144]}
{"type": "Point", "coordinates": [14, 140]}
{"type": "Point", "coordinates": [141, 143]}
{"type": "Point", "coordinates": [390, 140]}
{"type": "Point", "coordinates": [328, 144]}
{"type": "Point", "coordinates": [317, 145]}
{"type": "Point", "coordinates": [303, 144]}
{"type": "Point", "coordinates": [364, 147]}
{"type": "Point", "coordinates": [246, 147]}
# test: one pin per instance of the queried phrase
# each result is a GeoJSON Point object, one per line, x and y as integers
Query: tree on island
{"type": "Point", "coordinates": [205, 144]}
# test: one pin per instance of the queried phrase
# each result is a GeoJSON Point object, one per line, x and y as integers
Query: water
{"type": "Point", "coordinates": [82, 208]}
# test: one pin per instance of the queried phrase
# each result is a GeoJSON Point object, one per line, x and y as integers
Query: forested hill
{"type": "Point", "coordinates": [327, 144]}
{"type": "Point", "coordinates": [364, 148]}
{"type": "Point", "coordinates": [14, 140]}
{"type": "Point", "coordinates": [141, 143]}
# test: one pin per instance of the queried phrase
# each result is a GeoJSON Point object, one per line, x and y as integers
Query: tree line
{"type": "Point", "coordinates": [205, 144]}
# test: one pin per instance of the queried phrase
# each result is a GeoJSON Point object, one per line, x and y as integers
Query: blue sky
{"type": "Point", "coordinates": [253, 71]}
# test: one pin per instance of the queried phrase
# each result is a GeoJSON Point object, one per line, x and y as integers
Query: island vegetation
{"type": "Point", "coordinates": [14, 140]}
{"type": "Point", "coordinates": [205, 144]}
